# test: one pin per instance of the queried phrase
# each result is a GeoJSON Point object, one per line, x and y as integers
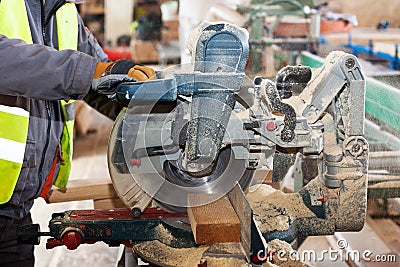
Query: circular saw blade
{"type": "Point", "coordinates": [214, 182]}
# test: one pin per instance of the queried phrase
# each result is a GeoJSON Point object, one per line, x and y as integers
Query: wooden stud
{"type": "Point", "coordinates": [215, 222]}
{"type": "Point", "coordinates": [83, 190]}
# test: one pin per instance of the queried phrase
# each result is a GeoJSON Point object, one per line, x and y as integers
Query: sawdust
{"type": "Point", "coordinates": [259, 191]}
{"type": "Point", "coordinates": [163, 234]}
{"type": "Point", "coordinates": [157, 252]}
{"type": "Point", "coordinates": [163, 255]}
{"type": "Point", "coordinates": [274, 210]}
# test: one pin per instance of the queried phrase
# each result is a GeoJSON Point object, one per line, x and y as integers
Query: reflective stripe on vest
{"type": "Point", "coordinates": [14, 119]}
{"type": "Point", "coordinates": [67, 26]}
{"type": "Point", "coordinates": [67, 31]}
{"type": "Point", "coordinates": [13, 133]}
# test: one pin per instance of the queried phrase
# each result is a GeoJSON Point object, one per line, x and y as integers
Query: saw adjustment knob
{"type": "Point", "coordinates": [72, 239]}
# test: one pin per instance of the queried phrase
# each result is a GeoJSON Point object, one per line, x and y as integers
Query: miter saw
{"type": "Point", "coordinates": [205, 128]}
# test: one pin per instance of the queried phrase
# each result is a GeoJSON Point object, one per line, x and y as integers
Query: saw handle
{"type": "Point", "coordinates": [30, 234]}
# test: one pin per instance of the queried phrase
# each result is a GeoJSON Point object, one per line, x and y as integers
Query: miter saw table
{"type": "Point", "coordinates": [205, 128]}
{"type": "Point", "coordinates": [118, 226]}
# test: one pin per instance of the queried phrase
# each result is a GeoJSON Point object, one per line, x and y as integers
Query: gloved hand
{"type": "Point", "coordinates": [108, 75]}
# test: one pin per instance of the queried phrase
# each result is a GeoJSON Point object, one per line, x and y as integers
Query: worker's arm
{"type": "Point", "coordinates": [101, 100]}
{"type": "Point", "coordinates": [108, 76]}
{"type": "Point", "coordinates": [40, 72]}
{"type": "Point", "coordinates": [88, 44]}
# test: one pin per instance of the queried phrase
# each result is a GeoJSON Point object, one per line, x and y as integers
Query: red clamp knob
{"type": "Point", "coordinates": [72, 240]}
{"type": "Point", "coordinates": [271, 126]}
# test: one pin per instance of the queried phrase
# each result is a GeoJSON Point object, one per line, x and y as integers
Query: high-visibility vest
{"type": "Point", "coordinates": [14, 112]}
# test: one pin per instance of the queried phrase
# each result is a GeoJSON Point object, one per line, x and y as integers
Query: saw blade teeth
{"type": "Point", "coordinates": [135, 197]}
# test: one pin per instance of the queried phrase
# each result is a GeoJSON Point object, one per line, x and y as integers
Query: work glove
{"type": "Point", "coordinates": [108, 75]}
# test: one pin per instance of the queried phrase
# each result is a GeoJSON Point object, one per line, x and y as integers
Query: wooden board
{"type": "Point", "coordinates": [83, 190]}
{"type": "Point", "coordinates": [215, 222]}
{"type": "Point", "coordinates": [363, 35]}
{"type": "Point", "coordinates": [370, 12]}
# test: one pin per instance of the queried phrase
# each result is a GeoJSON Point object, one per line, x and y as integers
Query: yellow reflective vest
{"type": "Point", "coordinates": [14, 113]}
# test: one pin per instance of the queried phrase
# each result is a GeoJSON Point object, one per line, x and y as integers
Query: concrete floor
{"type": "Point", "coordinates": [89, 162]}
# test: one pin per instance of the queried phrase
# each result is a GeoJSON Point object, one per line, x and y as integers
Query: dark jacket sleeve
{"type": "Point", "coordinates": [40, 72]}
{"type": "Point", "coordinates": [89, 45]}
